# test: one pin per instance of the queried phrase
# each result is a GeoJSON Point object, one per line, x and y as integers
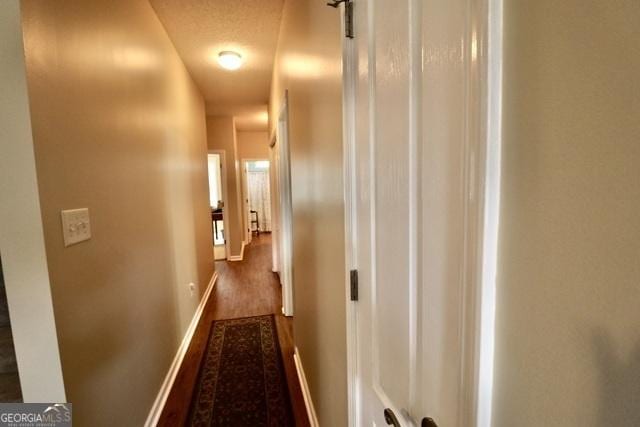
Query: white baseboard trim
{"type": "Point", "coordinates": [161, 399]}
{"type": "Point", "coordinates": [311, 411]}
{"type": "Point", "coordinates": [238, 257]}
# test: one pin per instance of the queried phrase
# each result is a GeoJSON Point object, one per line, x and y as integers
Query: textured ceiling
{"type": "Point", "coordinates": [200, 29]}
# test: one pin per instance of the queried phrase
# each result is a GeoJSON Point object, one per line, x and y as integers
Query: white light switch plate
{"type": "Point", "coordinates": [76, 227]}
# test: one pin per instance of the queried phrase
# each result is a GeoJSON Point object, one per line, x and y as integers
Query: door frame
{"type": "Point", "coordinates": [349, 79]}
{"type": "Point", "coordinates": [225, 198]}
{"type": "Point", "coordinates": [275, 205]}
{"type": "Point", "coordinates": [482, 179]}
{"type": "Point", "coordinates": [285, 213]}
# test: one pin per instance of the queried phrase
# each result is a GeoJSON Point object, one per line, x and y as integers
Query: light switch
{"type": "Point", "coordinates": [76, 227]}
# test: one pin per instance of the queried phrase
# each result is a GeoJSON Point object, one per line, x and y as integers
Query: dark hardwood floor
{"type": "Point", "coordinates": [244, 288]}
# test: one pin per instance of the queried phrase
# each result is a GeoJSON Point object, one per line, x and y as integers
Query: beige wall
{"type": "Point", "coordinates": [308, 64]}
{"type": "Point", "coordinates": [119, 127]}
{"type": "Point", "coordinates": [253, 145]}
{"type": "Point", "coordinates": [568, 327]}
{"type": "Point", "coordinates": [221, 135]}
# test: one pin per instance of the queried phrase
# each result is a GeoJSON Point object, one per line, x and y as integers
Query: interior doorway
{"type": "Point", "coordinates": [257, 196]}
{"type": "Point", "coordinates": [217, 201]}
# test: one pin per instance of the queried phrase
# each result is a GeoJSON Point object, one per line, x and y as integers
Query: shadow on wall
{"type": "Point", "coordinates": [619, 379]}
{"type": "Point", "coordinates": [10, 390]}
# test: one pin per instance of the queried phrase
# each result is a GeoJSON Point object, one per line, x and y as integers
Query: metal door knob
{"type": "Point", "coordinates": [391, 418]}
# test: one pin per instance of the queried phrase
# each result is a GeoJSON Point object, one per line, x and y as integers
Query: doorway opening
{"type": "Point", "coordinates": [217, 201]}
{"type": "Point", "coordinates": [257, 197]}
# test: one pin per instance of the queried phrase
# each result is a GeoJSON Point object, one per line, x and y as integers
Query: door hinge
{"type": "Point", "coordinates": [348, 19]}
{"type": "Point", "coordinates": [354, 285]}
{"type": "Point", "coordinates": [348, 15]}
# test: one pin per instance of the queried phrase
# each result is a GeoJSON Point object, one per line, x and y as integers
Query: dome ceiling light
{"type": "Point", "coordinates": [229, 60]}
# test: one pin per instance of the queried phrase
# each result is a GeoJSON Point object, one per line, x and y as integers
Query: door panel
{"type": "Point", "coordinates": [386, 350]}
{"type": "Point", "coordinates": [368, 410]}
{"type": "Point", "coordinates": [443, 204]}
{"type": "Point", "coordinates": [275, 207]}
{"type": "Point", "coordinates": [412, 172]}
{"type": "Point", "coordinates": [390, 298]}
{"type": "Point", "coordinates": [285, 212]}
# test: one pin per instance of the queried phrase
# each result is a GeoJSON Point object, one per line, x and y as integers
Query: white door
{"type": "Point", "coordinates": [275, 207]}
{"type": "Point", "coordinates": [247, 208]}
{"type": "Point", "coordinates": [415, 211]}
{"type": "Point", "coordinates": [285, 238]}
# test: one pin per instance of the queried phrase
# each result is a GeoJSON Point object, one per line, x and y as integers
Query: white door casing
{"type": "Point", "coordinates": [417, 109]}
{"type": "Point", "coordinates": [275, 206]}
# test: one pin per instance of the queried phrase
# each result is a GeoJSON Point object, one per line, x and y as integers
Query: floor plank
{"type": "Point", "coordinates": [244, 288]}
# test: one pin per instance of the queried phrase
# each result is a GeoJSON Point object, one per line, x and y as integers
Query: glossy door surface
{"type": "Point", "coordinates": [412, 157]}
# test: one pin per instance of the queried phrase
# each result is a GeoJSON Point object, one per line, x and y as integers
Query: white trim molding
{"type": "Point", "coordinates": [349, 75]}
{"type": "Point", "coordinates": [490, 215]}
{"type": "Point", "coordinates": [238, 257]}
{"type": "Point", "coordinates": [167, 384]}
{"type": "Point", "coordinates": [308, 403]}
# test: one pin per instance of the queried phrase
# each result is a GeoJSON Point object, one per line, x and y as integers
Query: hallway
{"type": "Point", "coordinates": [115, 106]}
{"type": "Point", "coordinates": [243, 289]}
{"type": "Point", "coordinates": [453, 192]}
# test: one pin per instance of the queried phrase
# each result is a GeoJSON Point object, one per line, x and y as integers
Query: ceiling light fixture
{"type": "Point", "coordinates": [230, 60]}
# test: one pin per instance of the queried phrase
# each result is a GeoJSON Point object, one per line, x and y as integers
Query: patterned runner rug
{"type": "Point", "coordinates": [242, 380]}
